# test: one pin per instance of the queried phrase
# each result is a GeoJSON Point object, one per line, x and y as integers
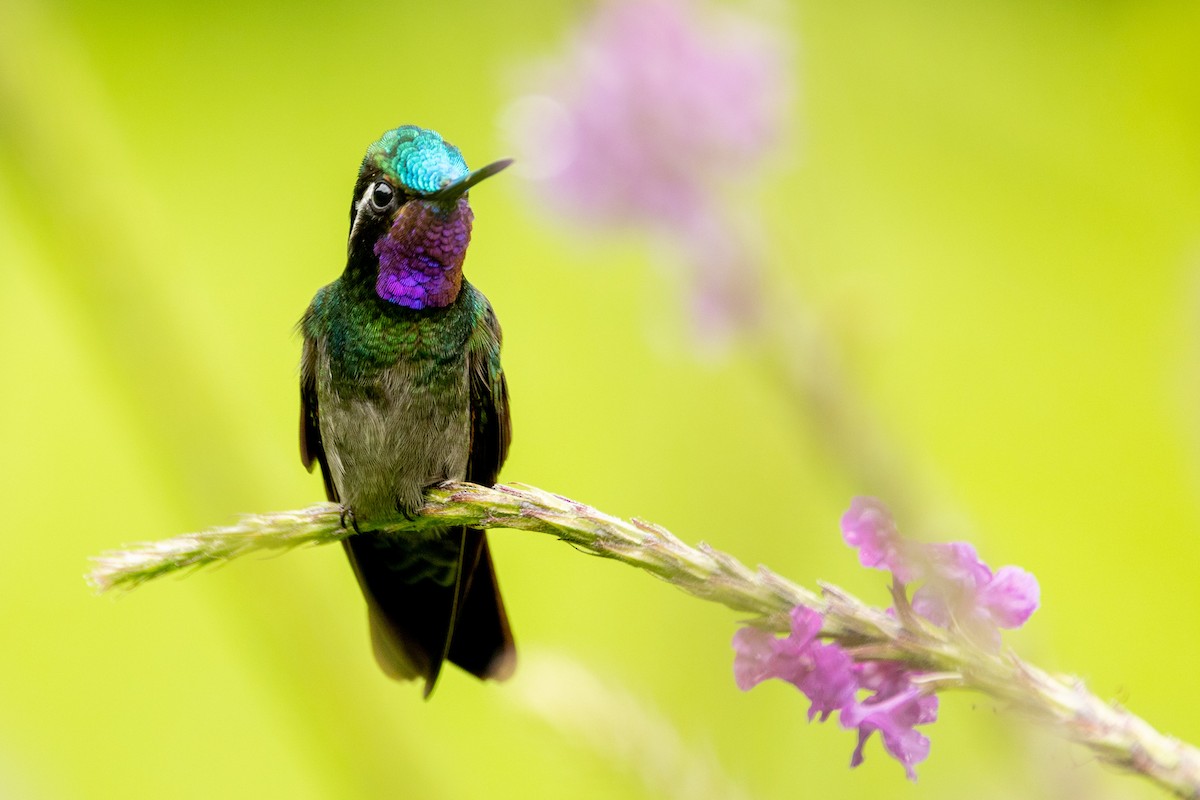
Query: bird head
{"type": "Point", "coordinates": [410, 218]}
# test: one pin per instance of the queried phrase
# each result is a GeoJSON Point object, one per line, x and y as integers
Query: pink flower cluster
{"type": "Point", "coordinates": [653, 118]}
{"type": "Point", "coordinates": [959, 593]}
{"type": "Point", "coordinates": [653, 102]}
{"type": "Point", "coordinates": [832, 681]}
{"type": "Point", "coordinates": [959, 590]}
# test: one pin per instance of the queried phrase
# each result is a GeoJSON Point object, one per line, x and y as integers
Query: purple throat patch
{"type": "Point", "coordinates": [421, 257]}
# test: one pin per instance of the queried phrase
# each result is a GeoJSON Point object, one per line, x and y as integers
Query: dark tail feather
{"type": "Point", "coordinates": [431, 600]}
{"type": "Point", "coordinates": [481, 643]}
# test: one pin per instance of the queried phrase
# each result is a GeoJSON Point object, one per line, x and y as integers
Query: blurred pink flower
{"type": "Point", "coordinates": [653, 102]}
{"type": "Point", "coordinates": [959, 589]}
{"type": "Point", "coordinates": [652, 113]}
{"type": "Point", "coordinates": [867, 526]}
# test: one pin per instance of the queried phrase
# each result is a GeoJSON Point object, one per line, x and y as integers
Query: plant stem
{"type": "Point", "coordinates": [1062, 703]}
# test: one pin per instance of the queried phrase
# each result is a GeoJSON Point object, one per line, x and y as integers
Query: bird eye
{"type": "Point", "coordinates": [381, 196]}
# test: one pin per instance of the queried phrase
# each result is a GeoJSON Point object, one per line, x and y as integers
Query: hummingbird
{"type": "Point", "coordinates": [401, 389]}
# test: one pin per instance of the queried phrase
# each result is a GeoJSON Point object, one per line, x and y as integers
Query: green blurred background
{"type": "Point", "coordinates": [993, 208]}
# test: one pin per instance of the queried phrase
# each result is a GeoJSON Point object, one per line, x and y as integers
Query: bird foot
{"type": "Point", "coordinates": [348, 515]}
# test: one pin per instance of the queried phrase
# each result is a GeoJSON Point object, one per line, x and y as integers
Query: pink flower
{"type": "Point", "coordinates": [961, 590]}
{"type": "Point", "coordinates": [827, 675]}
{"type": "Point", "coordinates": [652, 103]}
{"type": "Point", "coordinates": [1010, 597]}
{"type": "Point", "coordinates": [821, 671]}
{"type": "Point", "coordinates": [895, 709]}
{"type": "Point", "coordinates": [868, 527]}
{"type": "Point", "coordinates": [654, 112]}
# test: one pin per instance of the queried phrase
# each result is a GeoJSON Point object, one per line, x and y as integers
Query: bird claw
{"type": "Point", "coordinates": [348, 514]}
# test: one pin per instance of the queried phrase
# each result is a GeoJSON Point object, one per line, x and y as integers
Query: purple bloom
{"type": "Point", "coordinates": [831, 684]}
{"type": "Point", "coordinates": [959, 592]}
{"type": "Point", "coordinates": [955, 574]}
{"type": "Point", "coordinates": [654, 111]}
{"type": "Point", "coordinates": [821, 671]}
{"type": "Point", "coordinates": [827, 675]}
{"type": "Point", "coordinates": [1011, 596]}
{"type": "Point", "coordinates": [653, 101]}
{"type": "Point", "coordinates": [960, 589]}
{"type": "Point", "coordinates": [755, 658]}
{"type": "Point", "coordinates": [868, 527]}
{"type": "Point", "coordinates": [895, 709]}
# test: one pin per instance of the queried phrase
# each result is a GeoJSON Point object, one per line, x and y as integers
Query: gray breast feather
{"type": "Point", "coordinates": [386, 445]}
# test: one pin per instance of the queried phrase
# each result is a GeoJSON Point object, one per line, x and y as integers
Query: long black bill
{"type": "Point", "coordinates": [460, 187]}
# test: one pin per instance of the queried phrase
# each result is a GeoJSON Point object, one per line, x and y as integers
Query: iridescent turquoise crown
{"type": "Point", "coordinates": [421, 160]}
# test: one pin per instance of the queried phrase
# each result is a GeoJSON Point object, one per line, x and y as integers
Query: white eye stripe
{"type": "Point", "coordinates": [367, 204]}
{"type": "Point", "coordinates": [358, 212]}
{"type": "Point", "coordinates": [365, 197]}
